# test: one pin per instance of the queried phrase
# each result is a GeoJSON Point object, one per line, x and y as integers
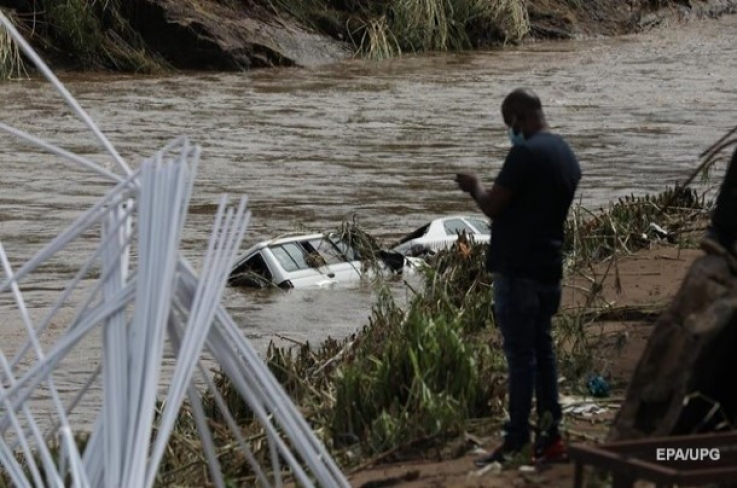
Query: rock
{"type": "Point", "coordinates": [204, 34]}
{"type": "Point", "coordinates": [688, 362]}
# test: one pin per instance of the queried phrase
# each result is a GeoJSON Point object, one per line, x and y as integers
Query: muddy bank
{"type": "Point", "coordinates": [156, 35]}
{"type": "Point", "coordinates": [576, 19]}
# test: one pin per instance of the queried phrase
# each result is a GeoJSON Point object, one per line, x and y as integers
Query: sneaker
{"type": "Point", "coordinates": [550, 449]}
{"type": "Point", "coordinates": [502, 455]}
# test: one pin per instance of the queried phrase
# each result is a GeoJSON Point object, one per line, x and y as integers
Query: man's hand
{"type": "Point", "coordinates": [467, 182]}
{"type": "Point", "coordinates": [492, 203]}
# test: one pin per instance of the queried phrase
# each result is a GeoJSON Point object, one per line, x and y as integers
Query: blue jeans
{"type": "Point", "coordinates": [524, 310]}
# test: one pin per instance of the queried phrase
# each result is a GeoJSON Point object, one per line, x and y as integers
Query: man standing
{"type": "Point", "coordinates": [528, 205]}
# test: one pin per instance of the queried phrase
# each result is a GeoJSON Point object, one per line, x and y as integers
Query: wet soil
{"type": "Point", "coordinates": [554, 19]}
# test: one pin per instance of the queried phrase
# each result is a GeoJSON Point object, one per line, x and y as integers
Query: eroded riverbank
{"type": "Point", "coordinates": [155, 36]}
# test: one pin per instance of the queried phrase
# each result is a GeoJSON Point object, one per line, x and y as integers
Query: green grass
{"type": "Point", "coordinates": [388, 28]}
{"type": "Point", "coordinates": [88, 34]}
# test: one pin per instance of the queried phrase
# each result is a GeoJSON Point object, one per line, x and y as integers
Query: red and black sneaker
{"type": "Point", "coordinates": [550, 449]}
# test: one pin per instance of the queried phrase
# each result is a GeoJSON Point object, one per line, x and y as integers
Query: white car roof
{"type": "Point", "coordinates": [445, 218]}
{"type": "Point", "coordinates": [435, 223]}
{"type": "Point", "coordinates": [282, 240]}
{"type": "Point", "coordinates": [442, 220]}
{"type": "Point", "coordinates": [462, 216]}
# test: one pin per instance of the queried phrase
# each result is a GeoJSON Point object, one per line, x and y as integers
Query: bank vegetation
{"type": "Point", "coordinates": [156, 35]}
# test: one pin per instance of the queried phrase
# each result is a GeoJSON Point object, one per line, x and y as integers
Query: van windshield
{"type": "Point", "coordinates": [312, 253]}
{"type": "Point", "coordinates": [291, 256]}
{"type": "Point", "coordinates": [326, 249]}
{"type": "Point", "coordinates": [481, 225]}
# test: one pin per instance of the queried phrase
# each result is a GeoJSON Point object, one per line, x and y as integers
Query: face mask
{"type": "Point", "coordinates": [515, 138]}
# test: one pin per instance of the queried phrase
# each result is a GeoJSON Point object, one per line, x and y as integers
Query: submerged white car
{"type": "Point", "coordinates": [307, 261]}
{"type": "Point", "coordinates": [441, 233]}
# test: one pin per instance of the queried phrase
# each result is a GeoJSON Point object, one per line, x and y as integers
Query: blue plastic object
{"type": "Point", "coordinates": [598, 386]}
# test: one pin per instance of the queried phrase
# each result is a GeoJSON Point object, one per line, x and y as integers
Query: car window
{"type": "Point", "coordinates": [456, 226]}
{"type": "Point", "coordinates": [325, 248]}
{"type": "Point", "coordinates": [257, 265]}
{"type": "Point", "coordinates": [291, 256]}
{"type": "Point", "coordinates": [252, 272]}
{"type": "Point", "coordinates": [481, 225]}
{"type": "Point", "coordinates": [345, 248]}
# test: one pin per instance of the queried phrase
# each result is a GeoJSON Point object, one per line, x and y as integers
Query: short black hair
{"type": "Point", "coordinates": [521, 103]}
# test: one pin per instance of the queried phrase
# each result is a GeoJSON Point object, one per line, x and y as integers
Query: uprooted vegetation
{"type": "Point", "coordinates": [423, 372]}
{"type": "Point", "coordinates": [631, 223]}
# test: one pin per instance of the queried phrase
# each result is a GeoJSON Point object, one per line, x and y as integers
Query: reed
{"type": "Point", "coordinates": [373, 39]}
{"type": "Point", "coordinates": [384, 29]}
{"type": "Point", "coordinates": [425, 376]}
{"type": "Point", "coordinates": [11, 61]}
{"type": "Point", "coordinates": [92, 34]}
{"type": "Point", "coordinates": [426, 25]}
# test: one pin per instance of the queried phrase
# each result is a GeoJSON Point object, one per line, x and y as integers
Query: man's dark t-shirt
{"type": "Point", "coordinates": [527, 238]}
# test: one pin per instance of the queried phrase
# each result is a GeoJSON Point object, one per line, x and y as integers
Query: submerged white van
{"type": "Point", "coordinates": [309, 260]}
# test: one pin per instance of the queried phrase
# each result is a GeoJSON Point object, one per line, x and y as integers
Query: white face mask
{"type": "Point", "coordinates": [515, 138]}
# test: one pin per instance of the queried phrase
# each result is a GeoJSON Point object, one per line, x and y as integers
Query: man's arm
{"type": "Point", "coordinates": [492, 202]}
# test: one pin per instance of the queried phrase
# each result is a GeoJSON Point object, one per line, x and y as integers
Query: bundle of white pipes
{"type": "Point", "coordinates": [138, 309]}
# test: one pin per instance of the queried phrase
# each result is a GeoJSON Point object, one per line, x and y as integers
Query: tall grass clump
{"type": "Point", "coordinates": [76, 28]}
{"type": "Point", "coordinates": [388, 28]}
{"type": "Point", "coordinates": [424, 375]}
{"type": "Point", "coordinates": [374, 39]}
{"type": "Point", "coordinates": [441, 25]}
{"type": "Point", "coordinates": [95, 34]}
{"type": "Point", "coordinates": [11, 61]}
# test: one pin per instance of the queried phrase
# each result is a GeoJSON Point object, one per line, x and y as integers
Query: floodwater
{"type": "Point", "coordinates": [378, 142]}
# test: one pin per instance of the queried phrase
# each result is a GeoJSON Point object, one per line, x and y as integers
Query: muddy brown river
{"type": "Point", "coordinates": [378, 142]}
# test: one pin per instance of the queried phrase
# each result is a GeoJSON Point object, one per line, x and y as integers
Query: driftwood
{"type": "Point", "coordinates": [684, 380]}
